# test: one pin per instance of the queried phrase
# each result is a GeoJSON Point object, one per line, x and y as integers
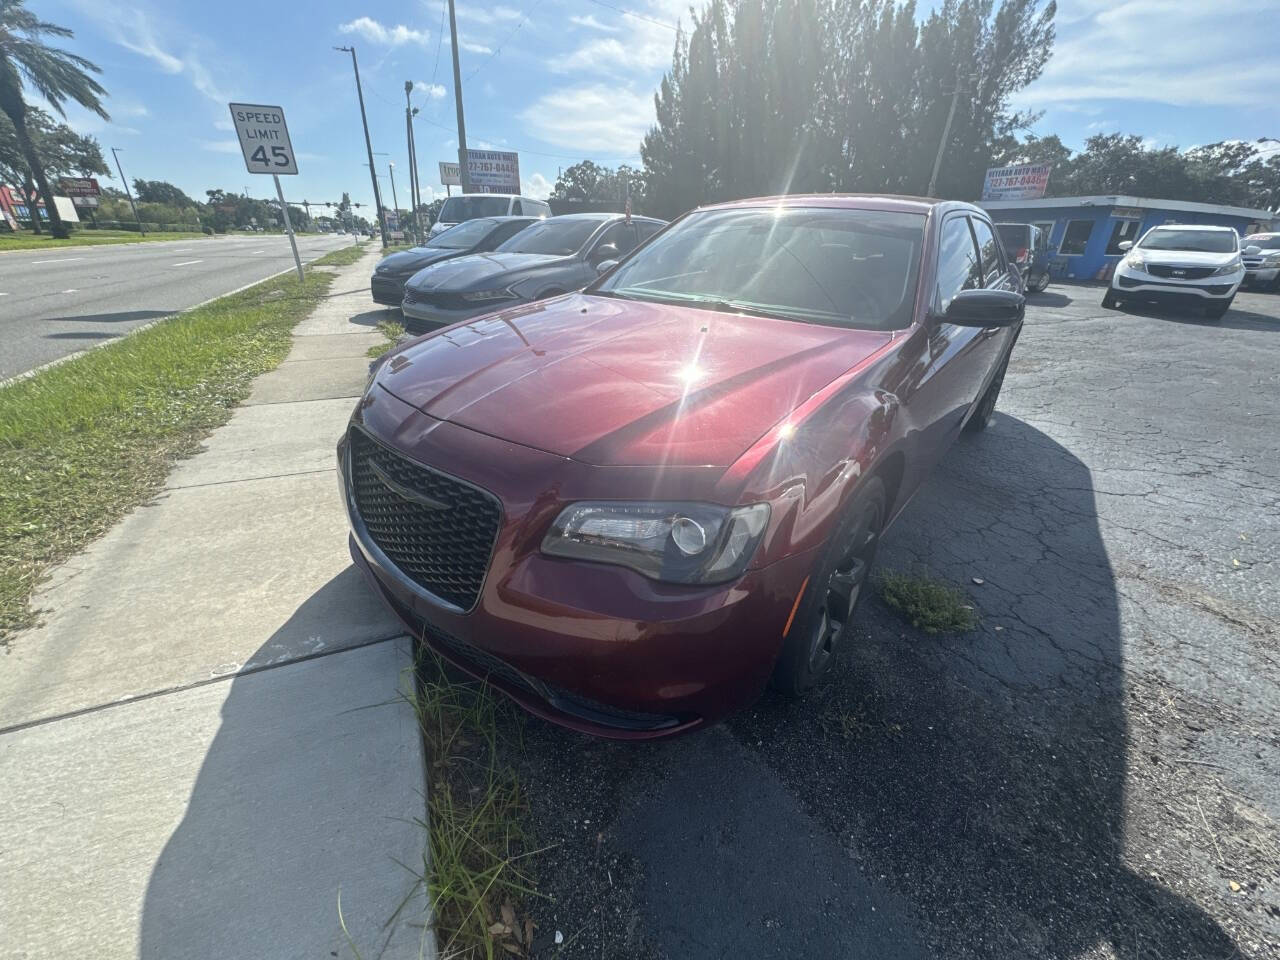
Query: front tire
{"type": "Point", "coordinates": [1110, 301]}
{"type": "Point", "coordinates": [833, 593]}
{"type": "Point", "coordinates": [1217, 311]}
{"type": "Point", "coordinates": [1041, 283]}
{"type": "Point", "coordinates": [987, 405]}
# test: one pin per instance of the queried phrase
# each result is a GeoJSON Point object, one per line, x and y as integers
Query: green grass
{"type": "Point", "coordinates": [393, 330]}
{"type": "Point", "coordinates": [927, 603]}
{"type": "Point", "coordinates": [84, 442]}
{"type": "Point", "coordinates": [82, 238]}
{"type": "Point", "coordinates": [343, 256]}
{"type": "Point", "coordinates": [474, 878]}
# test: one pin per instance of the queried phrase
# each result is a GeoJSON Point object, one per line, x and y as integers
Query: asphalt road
{"type": "Point", "coordinates": [57, 302]}
{"type": "Point", "coordinates": [1093, 773]}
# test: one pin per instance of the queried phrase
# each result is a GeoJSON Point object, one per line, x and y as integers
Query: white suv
{"type": "Point", "coordinates": [1184, 263]}
{"type": "Point", "coordinates": [1262, 260]}
{"type": "Point", "coordinates": [472, 206]}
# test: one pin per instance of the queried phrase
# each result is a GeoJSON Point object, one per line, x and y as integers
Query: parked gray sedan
{"type": "Point", "coordinates": [473, 236]}
{"type": "Point", "coordinates": [551, 257]}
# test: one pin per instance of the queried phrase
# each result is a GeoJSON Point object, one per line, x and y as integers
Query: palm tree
{"type": "Point", "coordinates": [55, 74]}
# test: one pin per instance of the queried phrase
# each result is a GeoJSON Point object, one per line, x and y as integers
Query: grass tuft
{"type": "Point", "coordinates": [88, 238]}
{"type": "Point", "coordinates": [927, 603]}
{"type": "Point", "coordinates": [84, 442]}
{"type": "Point", "coordinates": [342, 257]}
{"type": "Point", "coordinates": [393, 330]}
{"type": "Point", "coordinates": [476, 885]}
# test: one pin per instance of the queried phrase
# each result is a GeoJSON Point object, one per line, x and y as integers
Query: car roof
{"type": "Point", "coordinates": [894, 203]}
{"type": "Point", "coordinates": [1194, 226]}
{"type": "Point", "coordinates": [601, 217]}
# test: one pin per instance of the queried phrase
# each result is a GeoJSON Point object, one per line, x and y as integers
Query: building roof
{"type": "Point", "coordinates": [1146, 203]}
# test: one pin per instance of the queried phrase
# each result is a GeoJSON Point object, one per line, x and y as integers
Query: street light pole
{"type": "Point", "coordinates": [946, 134]}
{"type": "Point", "coordinates": [395, 203]}
{"type": "Point", "coordinates": [368, 144]}
{"type": "Point", "coordinates": [415, 193]}
{"type": "Point", "coordinates": [463, 173]}
{"type": "Point", "coordinates": [133, 206]}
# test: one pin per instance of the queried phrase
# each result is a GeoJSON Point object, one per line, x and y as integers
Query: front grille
{"type": "Point", "coordinates": [1179, 273]}
{"type": "Point", "coordinates": [436, 529]}
{"type": "Point", "coordinates": [436, 299]}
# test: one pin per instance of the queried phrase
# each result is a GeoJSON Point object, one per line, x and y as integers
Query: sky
{"type": "Point", "coordinates": [565, 80]}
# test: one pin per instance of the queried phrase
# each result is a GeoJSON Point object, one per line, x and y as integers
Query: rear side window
{"type": "Point", "coordinates": [1076, 237]}
{"type": "Point", "coordinates": [1014, 236]}
{"type": "Point", "coordinates": [992, 259]}
{"type": "Point", "coordinates": [516, 209]}
{"type": "Point", "coordinates": [957, 261]}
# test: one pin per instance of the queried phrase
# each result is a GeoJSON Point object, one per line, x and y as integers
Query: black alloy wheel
{"type": "Point", "coordinates": [824, 621]}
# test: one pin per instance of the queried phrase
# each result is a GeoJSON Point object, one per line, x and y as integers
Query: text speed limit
{"type": "Point", "coordinates": [264, 138]}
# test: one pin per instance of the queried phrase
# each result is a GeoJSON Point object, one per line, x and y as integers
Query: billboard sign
{"type": "Point", "coordinates": [79, 187]}
{"type": "Point", "coordinates": [1026, 181]}
{"type": "Point", "coordinates": [490, 171]}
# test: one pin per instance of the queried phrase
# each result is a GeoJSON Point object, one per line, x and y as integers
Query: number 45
{"type": "Point", "coordinates": [279, 154]}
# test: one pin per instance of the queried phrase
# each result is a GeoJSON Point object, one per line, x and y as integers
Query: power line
{"type": "Point", "coordinates": [634, 16]}
{"type": "Point", "coordinates": [484, 63]}
{"type": "Point", "coordinates": [519, 149]}
{"type": "Point", "coordinates": [439, 40]}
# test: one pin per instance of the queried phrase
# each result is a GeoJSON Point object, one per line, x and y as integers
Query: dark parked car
{"type": "Point", "coordinates": [552, 257]}
{"type": "Point", "coordinates": [630, 507]}
{"type": "Point", "coordinates": [1028, 247]}
{"type": "Point", "coordinates": [473, 236]}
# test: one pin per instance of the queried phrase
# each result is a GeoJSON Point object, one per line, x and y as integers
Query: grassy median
{"type": "Point", "coordinates": [86, 238]}
{"type": "Point", "coordinates": [84, 442]}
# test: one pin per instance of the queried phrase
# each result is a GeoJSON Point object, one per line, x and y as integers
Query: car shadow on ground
{"type": "Point", "coordinates": [126, 316]}
{"type": "Point", "coordinates": [958, 797]}
{"type": "Point", "coordinates": [1235, 318]}
{"type": "Point", "coordinates": [371, 318]}
{"type": "Point", "coordinates": [296, 812]}
{"type": "Point", "coordinates": [1050, 298]}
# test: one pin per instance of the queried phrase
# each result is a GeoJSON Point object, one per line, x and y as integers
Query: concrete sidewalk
{"type": "Point", "coordinates": [202, 746]}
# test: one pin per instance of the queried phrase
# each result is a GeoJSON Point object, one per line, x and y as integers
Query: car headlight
{"type": "Point", "coordinates": [674, 542]}
{"type": "Point", "coordinates": [1136, 261]}
{"type": "Point", "coordinates": [479, 296]}
{"type": "Point", "coordinates": [1234, 265]}
{"type": "Point", "coordinates": [1272, 261]}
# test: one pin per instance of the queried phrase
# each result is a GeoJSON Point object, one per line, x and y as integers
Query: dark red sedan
{"type": "Point", "coordinates": [631, 507]}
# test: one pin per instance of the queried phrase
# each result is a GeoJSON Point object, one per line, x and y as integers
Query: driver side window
{"type": "Point", "coordinates": [622, 236]}
{"type": "Point", "coordinates": [958, 264]}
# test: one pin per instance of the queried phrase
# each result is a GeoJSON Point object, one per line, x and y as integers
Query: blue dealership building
{"type": "Point", "coordinates": [1085, 232]}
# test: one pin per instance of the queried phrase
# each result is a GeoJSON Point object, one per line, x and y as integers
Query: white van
{"type": "Point", "coordinates": [471, 206]}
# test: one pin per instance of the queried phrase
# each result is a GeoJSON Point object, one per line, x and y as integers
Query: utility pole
{"type": "Point", "coordinates": [395, 203]}
{"type": "Point", "coordinates": [463, 173]}
{"type": "Point", "coordinates": [133, 206]}
{"type": "Point", "coordinates": [368, 145]}
{"type": "Point", "coordinates": [946, 134]}
{"type": "Point", "coordinates": [415, 194]}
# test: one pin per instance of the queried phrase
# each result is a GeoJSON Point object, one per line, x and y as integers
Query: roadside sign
{"type": "Point", "coordinates": [79, 187]}
{"type": "Point", "coordinates": [1027, 181]}
{"type": "Point", "coordinates": [264, 138]}
{"type": "Point", "coordinates": [490, 171]}
{"type": "Point", "coordinates": [264, 141]}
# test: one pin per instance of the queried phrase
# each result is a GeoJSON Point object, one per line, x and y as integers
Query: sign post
{"type": "Point", "coordinates": [264, 141]}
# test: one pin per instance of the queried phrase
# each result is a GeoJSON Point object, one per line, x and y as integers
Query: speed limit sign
{"type": "Point", "coordinates": [264, 138]}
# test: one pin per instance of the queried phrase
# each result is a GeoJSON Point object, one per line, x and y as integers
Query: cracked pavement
{"type": "Point", "coordinates": [1093, 772]}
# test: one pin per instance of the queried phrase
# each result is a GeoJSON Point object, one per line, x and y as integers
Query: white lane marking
{"type": "Point", "coordinates": [71, 290]}
{"type": "Point", "coordinates": [36, 263]}
{"type": "Point", "coordinates": [252, 252]}
{"type": "Point", "coordinates": [183, 250]}
{"type": "Point", "coordinates": [185, 263]}
{"type": "Point", "coordinates": [3, 294]}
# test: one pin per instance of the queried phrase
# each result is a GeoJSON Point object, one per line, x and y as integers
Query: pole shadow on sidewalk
{"type": "Point", "coordinates": [307, 792]}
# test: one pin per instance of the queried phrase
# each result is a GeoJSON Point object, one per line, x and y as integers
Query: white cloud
{"type": "Point", "coordinates": [536, 186]}
{"type": "Point", "coordinates": [432, 91]}
{"type": "Point", "coordinates": [471, 47]}
{"type": "Point", "coordinates": [597, 117]}
{"type": "Point", "coordinates": [221, 146]}
{"type": "Point", "coordinates": [591, 23]}
{"type": "Point", "coordinates": [645, 47]}
{"type": "Point", "coordinates": [498, 14]}
{"type": "Point", "coordinates": [1188, 54]}
{"type": "Point", "coordinates": [375, 32]}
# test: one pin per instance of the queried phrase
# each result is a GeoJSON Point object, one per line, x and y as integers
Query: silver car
{"type": "Point", "coordinates": [549, 258]}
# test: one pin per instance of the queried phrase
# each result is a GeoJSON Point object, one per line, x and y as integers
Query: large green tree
{"type": "Point", "coordinates": [26, 60]}
{"type": "Point", "coordinates": [63, 151]}
{"type": "Point", "coordinates": [588, 182]}
{"type": "Point", "coordinates": [160, 191]}
{"type": "Point", "coordinates": [776, 96]}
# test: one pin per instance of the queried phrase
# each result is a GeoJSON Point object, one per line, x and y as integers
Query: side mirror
{"type": "Point", "coordinates": [604, 266]}
{"type": "Point", "coordinates": [1251, 250]}
{"type": "Point", "coordinates": [985, 308]}
{"type": "Point", "coordinates": [1125, 246]}
{"type": "Point", "coordinates": [606, 251]}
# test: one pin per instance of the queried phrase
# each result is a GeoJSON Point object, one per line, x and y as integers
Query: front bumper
{"type": "Point", "coordinates": [1134, 284]}
{"type": "Point", "coordinates": [1261, 274]}
{"type": "Point", "coordinates": [426, 316]}
{"type": "Point", "coordinates": [387, 289]}
{"type": "Point", "coordinates": [592, 647]}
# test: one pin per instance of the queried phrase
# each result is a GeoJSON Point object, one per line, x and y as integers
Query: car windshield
{"type": "Point", "coordinates": [1014, 236]}
{"type": "Point", "coordinates": [556, 237]}
{"type": "Point", "coordinates": [458, 209]}
{"type": "Point", "coordinates": [853, 268]}
{"type": "Point", "coordinates": [1196, 241]}
{"type": "Point", "coordinates": [463, 236]}
{"type": "Point", "coordinates": [1265, 241]}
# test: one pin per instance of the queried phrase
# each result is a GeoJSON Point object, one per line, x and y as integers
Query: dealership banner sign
{"type": "Point", "coordinates": [1027, 181]}
{"type": "Point", "coordinates": [490, 171]}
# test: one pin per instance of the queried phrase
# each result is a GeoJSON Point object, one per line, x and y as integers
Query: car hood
{"type": "Point", "coordinates": [1187, 258]}
{"type": "Point", "coordinates": [616, 382]}
{"type": "Point", "coordinates": [411, 261]}
{"type": "Point", "coordinates": [480, 270]}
